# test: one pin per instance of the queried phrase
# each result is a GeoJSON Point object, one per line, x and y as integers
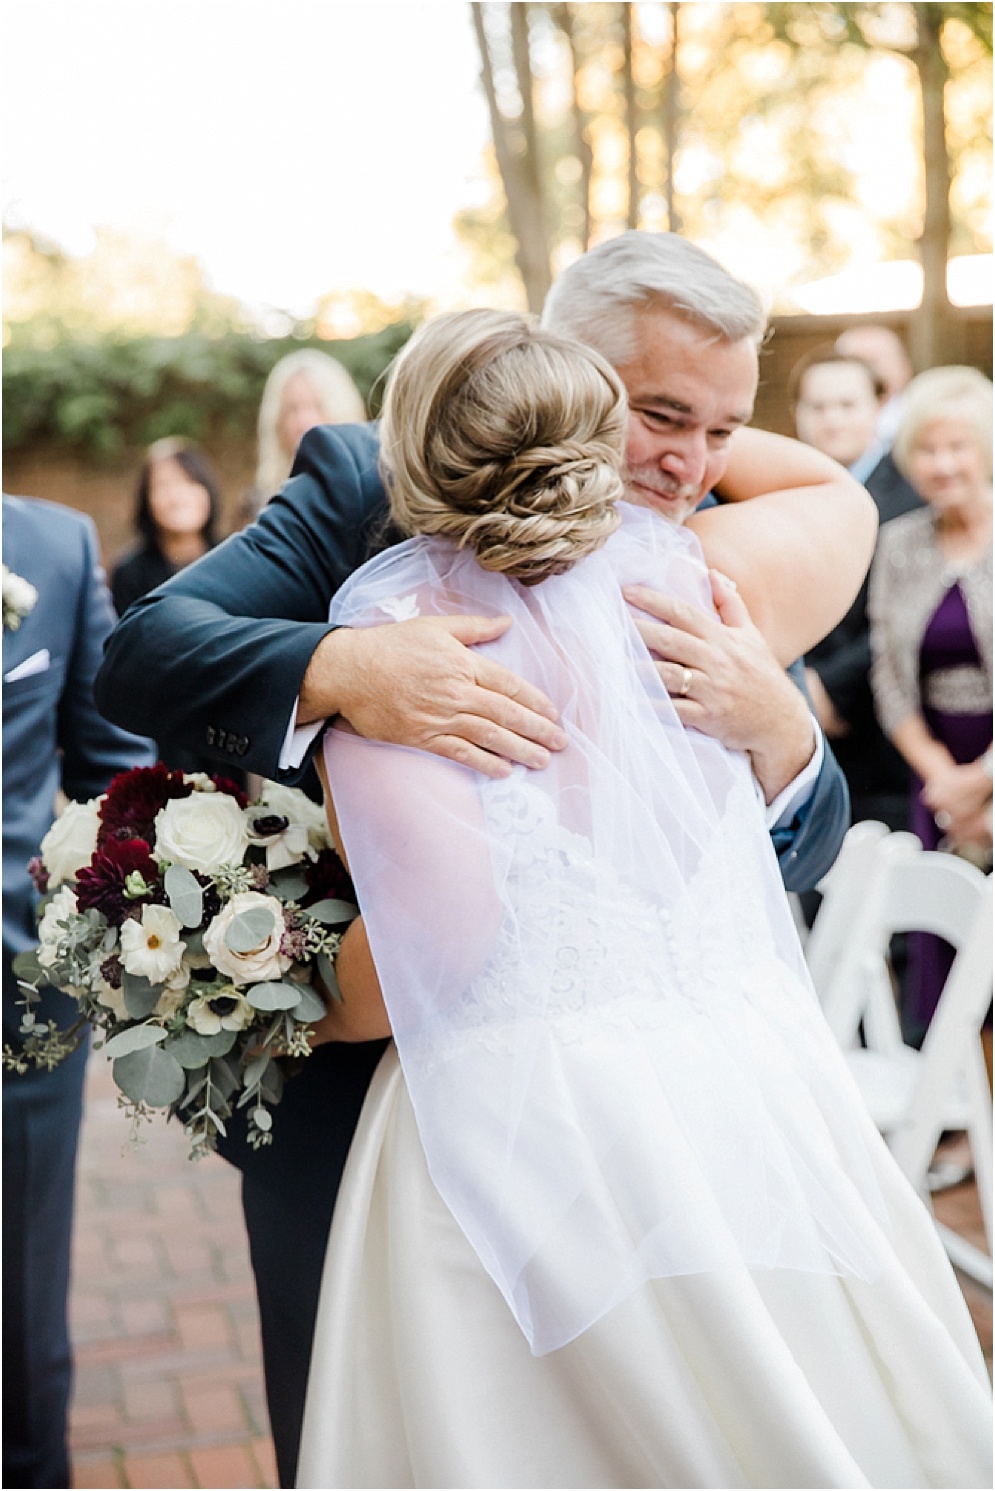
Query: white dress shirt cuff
{"type": "Point", "coordinates": [791, 799]}
{"type": "Point", "coordinates": [297, 740]}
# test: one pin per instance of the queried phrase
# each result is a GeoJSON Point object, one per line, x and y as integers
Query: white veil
{"type": "Point", "coordinates": [616, 1061]}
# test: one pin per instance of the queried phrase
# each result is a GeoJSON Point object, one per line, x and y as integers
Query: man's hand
{"type": "Point", "coordinates": [417, 683]}
{"type": "Point", "coordinates": [725, 680]}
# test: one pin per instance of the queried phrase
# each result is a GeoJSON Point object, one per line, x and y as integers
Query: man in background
{"type": "Point", "coordinates": [836, 399]}
{"type": "Point", "coordinates": [57, 616]}
{"type": "Point", "coordinates": [884, 353]}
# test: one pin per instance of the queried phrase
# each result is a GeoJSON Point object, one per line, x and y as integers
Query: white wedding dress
{"type": "Point", "coordinates": [613, 1215]}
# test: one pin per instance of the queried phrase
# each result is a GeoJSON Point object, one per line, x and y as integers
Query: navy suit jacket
{"type": "Point", "coordinates": [214, 659]}
{"type": "Point", "coordinates": [52, 733]}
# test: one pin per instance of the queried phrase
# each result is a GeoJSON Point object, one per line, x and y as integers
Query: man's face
{"type": "Point", "coordinates": [837, 410]}
{"type": "Point", "coordinates": [688, 394]}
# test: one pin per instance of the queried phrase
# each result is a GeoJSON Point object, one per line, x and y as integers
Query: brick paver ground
{"type": "Point", "coordinates": [168, 1376]}
{"type": "Point", "coordinates": [168, 1372]}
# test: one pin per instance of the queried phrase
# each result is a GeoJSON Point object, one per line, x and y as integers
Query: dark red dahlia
{"type": "Point", "coordinates": [133, 799]}
{"type": "Point", "coordinates": [327, 879]}
{"type": "Point", "coordinates": [225, 784]}
{"type": "Point", "coordinates": [101, 883]}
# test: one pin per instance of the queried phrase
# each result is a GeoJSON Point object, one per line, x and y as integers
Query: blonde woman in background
{"type": "Point", "coordinates": [931, 632]}
{"type": "Point", "coordinates": [304, 389]}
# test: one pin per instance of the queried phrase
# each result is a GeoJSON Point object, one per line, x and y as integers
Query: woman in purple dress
{"type": "Point", "coordinates": [931, 635]}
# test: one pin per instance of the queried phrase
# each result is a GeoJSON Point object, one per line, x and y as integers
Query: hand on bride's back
{"type": "Point", "coordinates": [419, 683]}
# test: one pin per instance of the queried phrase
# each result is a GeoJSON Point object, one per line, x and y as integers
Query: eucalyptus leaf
{"type": "Point", "coordinates": [262, 1119]}
{"type": "Point", "coordinates": [27, 967]}
{"type": "Point", "coordinates": [251, 928]}
{"type": "Point", "coordinates": [136, 1038]}
{"type": "Point", "coordinates": [186, 896]}
{"type": "Point", "coordinates": [253, 1073]}
{"type": "Point", "coordinates": [332, 913]}
{"type": "Point", "coordinates": [273, 996]}
{"type": "Point", "coordinates": [272, 1083]}
{"type": "Point", "coordinates": [140, 997]}
{"type": "Point", "coordinates": [223, 1078]}
{"type": "Point", "coordinates": [311, 1007]}
{"type": "Point", "coordinates": [150, 1076]}
{"type": "Point", "coordinates": [289, 885]}
{"type": "Point", "coordinates": [194, 942]}
{"type": "Point", "coordinates": [326, 968]}
{"type": "Point", "coordinates": [192, 1050]}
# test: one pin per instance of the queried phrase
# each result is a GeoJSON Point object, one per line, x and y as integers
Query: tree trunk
{"type": "Point", "coordinates": [671, 92]}
{"type": "Point", "coordinates": [935, 334]}
{"type": "Point", "coordinates": [631, 120]}
{"type": "Point", "coordinates": [518, 167]}
{"type": "Point", "coordinates": [563, 15]}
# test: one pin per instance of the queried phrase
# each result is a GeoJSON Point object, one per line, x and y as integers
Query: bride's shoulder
{"type": "Point", "coordinates": [643, 539]}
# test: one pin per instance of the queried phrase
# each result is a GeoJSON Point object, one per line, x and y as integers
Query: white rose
{"type": "Point", "coordinates": [152, 948]}
{"type": "Point", "coordinates": [203, 831]}
{"type": "Point", "coordinates": [261, 963]}
{"type": "Point", "coordinates": [70, 842]}
{"type": "Point", "coordinates": [62, 904]}
{"type": "Point", "coordinates": [298, 808]}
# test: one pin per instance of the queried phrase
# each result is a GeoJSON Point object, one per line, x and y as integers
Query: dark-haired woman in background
{"type": "Point", "coordinates": [176, 514]}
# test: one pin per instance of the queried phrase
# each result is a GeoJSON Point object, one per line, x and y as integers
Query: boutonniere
{"type": "Point", "coordinates": [18, 599]}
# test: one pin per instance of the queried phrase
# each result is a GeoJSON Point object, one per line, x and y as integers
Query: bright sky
{"type": "Point", "coordinates": [295, 146]}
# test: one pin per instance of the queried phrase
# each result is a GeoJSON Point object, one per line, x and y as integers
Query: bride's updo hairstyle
{"type": "Point", "coordinates": [506, 439]}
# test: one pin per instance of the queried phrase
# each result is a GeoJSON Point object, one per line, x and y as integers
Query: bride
{"type": "Point", "coordinates": [614, 1215]}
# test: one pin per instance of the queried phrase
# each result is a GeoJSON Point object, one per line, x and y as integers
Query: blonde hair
{"type": "Point", "coordinates": [504, 438]}
{"type": "Point", "coordinates": [944, 393]}
{"type": "Point", "coordinates": [337, 394]}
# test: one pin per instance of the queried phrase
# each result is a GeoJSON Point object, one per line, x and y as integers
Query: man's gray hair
{"type": "Point", "coordinates": [597, 298]}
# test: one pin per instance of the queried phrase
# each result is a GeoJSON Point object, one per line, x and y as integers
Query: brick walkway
{"type": "Point", "coordinates": [168, 1379]}
{"type": "Point", "coordinates": [168, 1376]}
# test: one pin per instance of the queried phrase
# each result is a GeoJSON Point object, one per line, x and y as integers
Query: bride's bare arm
{"type": "Point", "coordinates": [361, 1015]}
{"type": "Point", "coordinates": [796, 536]}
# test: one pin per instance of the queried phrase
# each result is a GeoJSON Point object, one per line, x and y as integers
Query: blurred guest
{"type": "Point", "coordinates": [931, 630]}
{"type": "Point", "coordinates": [176, 515]}
{"type": "Point", "coordinates": [835, 399]}
{"type": "Point", "coordinates": [304, 389]}
{"type": "Point", "coordinates": [884, 351]}
{"type": "Point", "coordinates": [57, 616]}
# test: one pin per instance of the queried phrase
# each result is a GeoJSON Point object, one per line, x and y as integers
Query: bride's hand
{"type": "Point", "coordinates": [419, 683]}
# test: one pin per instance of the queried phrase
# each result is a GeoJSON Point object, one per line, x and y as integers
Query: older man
{"type": "Point", "coordinates": [235, 655]}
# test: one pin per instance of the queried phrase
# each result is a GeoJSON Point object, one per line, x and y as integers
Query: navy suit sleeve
{"type": "Point", "coordinates": [807, 848]}
{"type": "Point", "coordinates": [93, 749]}
{"type": "Point", "coordinates": [213, 660]}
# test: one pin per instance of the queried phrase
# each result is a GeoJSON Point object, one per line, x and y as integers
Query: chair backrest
{"type": "Point", "coordinates": [952, 1054]}
{"type": "Point", "coordinates": [843, 891]}
{"type": "Point", "coordinates": [850, 967]}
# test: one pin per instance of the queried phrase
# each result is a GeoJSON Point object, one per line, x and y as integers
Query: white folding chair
{"type": "Point", "coordinates": [851, 986]}
{"type": "Point", "coordinates": [914, 1095]}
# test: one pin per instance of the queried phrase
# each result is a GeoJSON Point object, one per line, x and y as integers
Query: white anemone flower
{"type": "Point", "coordinates": [228, 1009]}
{"type": "Point", "coordinates": [152, 948]}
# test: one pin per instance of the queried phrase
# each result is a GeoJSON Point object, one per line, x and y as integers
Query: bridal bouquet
{"type": "Point", "coordinates": [191, 927]}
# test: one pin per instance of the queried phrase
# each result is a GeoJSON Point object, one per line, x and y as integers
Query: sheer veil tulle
{"type": "Point", "coordinates": [617, 1065]}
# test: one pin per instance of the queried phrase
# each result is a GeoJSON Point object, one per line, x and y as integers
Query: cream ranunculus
{"type": "Point", "coordinates": [174, 993]}
{"type": "Point", "coordinates": [228, 1009]}
{"type": "Point", "coordinates": [70, 842]}
{"type": "Point", "coordinates": [261, 963]}
{"type": "Point", "coordinates": [203, 831]}
{"type": "Point", "coordinates": [152, 948]}
{"type": "Point", "coordinates": [62, 904]}
{"type": "Point", "coordinates": [297, 807]}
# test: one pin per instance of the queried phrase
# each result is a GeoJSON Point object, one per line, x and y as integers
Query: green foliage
{"type": "Point", "coordinates": [104, 395]}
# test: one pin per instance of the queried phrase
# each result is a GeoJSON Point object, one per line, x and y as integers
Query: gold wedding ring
{"type": "Point", "coordinates": [685, 687]}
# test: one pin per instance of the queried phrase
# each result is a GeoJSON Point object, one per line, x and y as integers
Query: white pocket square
{"type": "Point", "coordinates": [36, 663]}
